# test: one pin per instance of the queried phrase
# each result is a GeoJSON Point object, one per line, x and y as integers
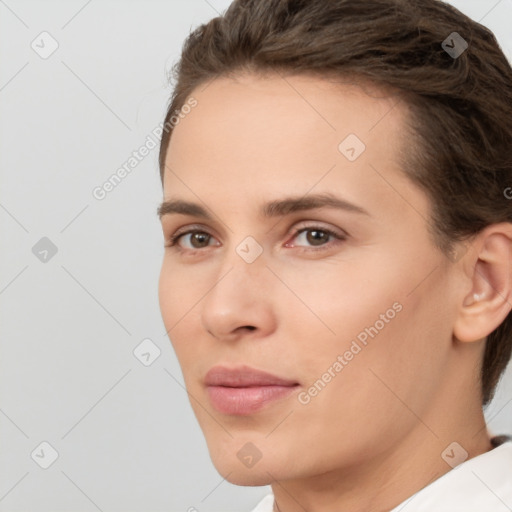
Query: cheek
{"type": "Point", "coordinates": [178, 291]}
{"type": "Point", "coordinates": [166, 295]}
{"type": "Point", "coordinates": [337, 299]}
{"type": "Point", "coordinates": [176, 296]}
{"type": "Point", "coordinates": [367, 314]}
{"type": "Point", "coordinates": [355, 386]}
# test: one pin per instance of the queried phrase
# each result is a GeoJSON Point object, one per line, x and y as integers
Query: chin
{"type": "Point", "coordinates": [245, 465]}
{"type": "Point", "coordinates": [246, 477]}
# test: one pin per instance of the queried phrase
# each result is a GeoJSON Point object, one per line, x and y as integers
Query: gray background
{"type": "Point", "coordinates": [125, 433]}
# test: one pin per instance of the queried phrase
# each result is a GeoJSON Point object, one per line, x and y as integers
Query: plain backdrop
{"type": "Point", "coordinates": [78, 275]}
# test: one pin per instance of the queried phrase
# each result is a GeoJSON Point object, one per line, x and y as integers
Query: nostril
{"type": "Point", "coordinates": [250, 327]}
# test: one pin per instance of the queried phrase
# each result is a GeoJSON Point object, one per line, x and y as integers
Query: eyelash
{"type": "Point", "coordinates": [172, 241]}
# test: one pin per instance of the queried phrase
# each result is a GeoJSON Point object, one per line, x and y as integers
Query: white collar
{"type": "Point", "coordinates": [481, 484]}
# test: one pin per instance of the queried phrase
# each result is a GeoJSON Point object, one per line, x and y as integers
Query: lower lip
{"type": "Point", "coordinates": [244, 401]}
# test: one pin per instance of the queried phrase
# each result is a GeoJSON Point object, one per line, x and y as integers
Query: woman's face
{"type": "Point", "coordinates": [350, 303]}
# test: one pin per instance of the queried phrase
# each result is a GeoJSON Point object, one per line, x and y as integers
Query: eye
{"type": "Point", "coordinates": [191, 240]}
{"type": "Point", "coordinates": [315, 236]}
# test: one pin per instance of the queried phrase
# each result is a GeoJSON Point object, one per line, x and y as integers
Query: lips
{"type": "Point", "coordinates": [243, 377]}
{"type": "Point", "coordinates": [244, 391]}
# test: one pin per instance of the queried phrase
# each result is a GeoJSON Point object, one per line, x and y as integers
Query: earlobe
{"type": "Point", "coordinates": [489, 299]}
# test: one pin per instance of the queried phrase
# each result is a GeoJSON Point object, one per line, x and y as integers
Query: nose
{"type": "Point", "coordinates": [240, 301]}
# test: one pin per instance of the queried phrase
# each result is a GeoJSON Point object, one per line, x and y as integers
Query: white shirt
{"type": "Point", "coordinates": [480, 484]}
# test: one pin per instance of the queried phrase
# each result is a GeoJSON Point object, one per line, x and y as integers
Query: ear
{"type": "Point", "coordinates": [488, 268]}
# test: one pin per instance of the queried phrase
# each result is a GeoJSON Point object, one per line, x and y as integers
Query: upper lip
{"type": "Point", "coordinates": [243, 376]}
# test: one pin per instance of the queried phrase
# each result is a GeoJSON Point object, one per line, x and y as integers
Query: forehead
{"type": "Point", "coordinates": [328, 104]}
{"type": "Point", "coordinates": [263, 134]}
{"type": "Point", "coordinates": [274, 114]}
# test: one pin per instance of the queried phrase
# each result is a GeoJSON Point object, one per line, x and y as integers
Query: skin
{"type": "Point", "coordinates": [375, 433]}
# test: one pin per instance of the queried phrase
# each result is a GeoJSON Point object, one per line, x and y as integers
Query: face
{"type": "Point", "coordinates": [306, 256]}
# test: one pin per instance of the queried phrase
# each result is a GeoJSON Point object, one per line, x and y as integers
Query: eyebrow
{"type": "Point", "coordinates": [277, 208]}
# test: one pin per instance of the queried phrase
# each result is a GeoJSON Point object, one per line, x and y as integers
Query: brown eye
{"type": "Point", "coordinates": [191, 240]}
{"type": "Point", "coordinates": [199, 240]}
{"type": "Point", "coordinates": [317, 237]}
{"type": "Point", "coordinates": [314, 237]}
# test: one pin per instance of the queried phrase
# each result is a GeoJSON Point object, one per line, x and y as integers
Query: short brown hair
{"type": "Point", "coordinates": [461, 124]}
